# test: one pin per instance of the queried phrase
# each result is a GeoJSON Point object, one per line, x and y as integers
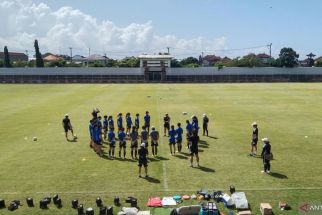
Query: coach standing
{"type": "Point", "coordinates": [266, 155]}
{"type": "Point", "coordinates": [253, 150]}
{"type": "Point", "coordinates": [205, 121]}
{"type": "Point", "coordinates": [67, 126]}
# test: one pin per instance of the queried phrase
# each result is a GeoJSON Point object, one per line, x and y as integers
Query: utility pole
{"type": "Point", "coordinates": [270, 49]}
{"type": "Point", "coordinates": [168, 50]}
{"type": "Point", "coordinates": [71, 54]}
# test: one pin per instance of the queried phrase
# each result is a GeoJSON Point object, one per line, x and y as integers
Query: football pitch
{"type": "Point", "coordinates": [289, 114]}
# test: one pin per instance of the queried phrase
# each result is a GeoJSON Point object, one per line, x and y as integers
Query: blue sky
{"type": "Point", "coordinates": [237, 23]}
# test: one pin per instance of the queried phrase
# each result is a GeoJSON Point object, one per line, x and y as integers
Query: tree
{"type": "Point", "coordinates": [318, 63]}
{"type": "Point", "coordinates": [58, 63]}
{"type": "Point", "coordinates": [175, 63]}
{"type": "Point", "coordinates": [39, 60]}
{"type": "Point", "coordinates": [288, 57]}
{"type": "Point", "coordinates": [1, 63]}
{"type": "Point", "coordinates": [20, 63]}
{"type": "Point", "coordinates": [250, 60]}
{"type": "Point", "coordinates": [129, 62]}
{"type": "Point", "coordinates": [7, 62]}
{"type": "Point", "coordinates": [189, 62]}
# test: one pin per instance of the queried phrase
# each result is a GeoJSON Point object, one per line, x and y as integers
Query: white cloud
{"type": "Point", "coordinates": [23, 21]}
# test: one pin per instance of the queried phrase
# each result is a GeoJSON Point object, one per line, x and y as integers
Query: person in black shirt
{"type": "Point", "coordinates": [166, 120]}
{"type": "Point", "coordinates": [266, 152]}
{"type": "Point", "coordinates": [67, 126]}
{"type": "Point", "coordinates": [143, 161]}
{"type": "Point", "coordinates": [253, 150]}
{"type": "Point", "coordinates": [193, 147]}
{"type": "Point", "coordinates": [205, 122]}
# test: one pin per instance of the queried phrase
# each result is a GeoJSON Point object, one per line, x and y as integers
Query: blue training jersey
{"type": "Point", "coordinates": [189, 128]}
{"type": "Point", "coordinates": [111, 136]}
{"type": "Point", "coordinates": [121, 136]}
{"type": "Point", "coordinates": [195, 125]}
{"type": "Point", "coordinates": [147, 119]}
{"type": "Point", "coordinates": [179, 132]}
{"type": "Point", "coordinates": [105, 123]}
{"type": "Point", "coordinates": [129, 121]}
{"type": "Point", "coordinates": [111, 123]}
{"type": "Point", "coordinates": [137, 122]}
{"type": "Point", "coordinates": [97, 134]}
{"type": "Point", "coordinates": [172, 135]}
{"type": "Point", "coordinates": [120, 122]}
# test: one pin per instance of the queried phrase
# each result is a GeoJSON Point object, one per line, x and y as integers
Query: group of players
{"type": "Point", "coordinates": [102, 130]}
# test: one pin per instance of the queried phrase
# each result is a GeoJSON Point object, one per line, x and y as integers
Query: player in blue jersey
{"type": "Point", "coordinates": [110, 123]}
{"type": "Point", "coordinates": [97, 134]}
{"type": "Point", "coordinates": [119, 121]}
{"type": "Point", "coordinates": [111, 140]}
{"type": "Point", "coordinates": [122, 142]}
{"type": "Point", "coordinates": [147, 120]}
{"type": "Point", "coordinates": [194, 123]}
{"type": "Point", "coordinates": [172, 140]}
{"type": "Point", "coordinates": [179, 132]}
{"type": "Point", "coordinates": [137, 121]}
{"type": "Point", "coordinates": [105, 126]}
{"type": "Point", "coordinates": [100, 124]}
{"type": "Point", "coordinates": [129, 124]}
{"type": "Point", "coordinates": [189, 132]}
{"type": "Point", "coordinates": [91, 128]}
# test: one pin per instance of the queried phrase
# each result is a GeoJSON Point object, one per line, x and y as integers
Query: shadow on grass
{"type": "Point", "coordinates": [72, 141]}
{"type": "Point", "coordinates": [278, 175]}
{"type": "Point", "coordinates": [185, 153]}
{"type": "Point", "coordinates": [152, 180]}
{"type": "Point", "coordinates": [202, 142]}
{"type": "Point", "coordinates": [203, 146]}
{"type": "Point", "coordinates": [213, 137]}
{"type": "Point", "coordinates": [200, 150]}
{"type": "Point", "coordinates": [181, 157]}
{"type": "Point", "coordinates": [206, 169]}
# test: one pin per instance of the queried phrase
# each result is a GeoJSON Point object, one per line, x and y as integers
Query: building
{"type": "Point", "coordinates": [79, 59]}
{"type": "Point", "coordinates": [210, 60]}
{"type": "Point", "coordinates": [96, 58]}
{"type": "Point", "coordinates": [155, 66]}
{"type": "Point", "coordinates": [52, 58]}
{"type": "Point", "coordinates": [264, 58]}
{"type": "Point", "coordinates": [15, 56]}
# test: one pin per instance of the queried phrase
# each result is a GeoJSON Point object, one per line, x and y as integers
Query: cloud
{"type": "Point", "coordinates": [23, 21]}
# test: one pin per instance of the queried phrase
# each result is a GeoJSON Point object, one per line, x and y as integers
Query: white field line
{"type": "Point", "coordinates": [164, 164]}
{"type": "Point", "coordinates": [160, 191]}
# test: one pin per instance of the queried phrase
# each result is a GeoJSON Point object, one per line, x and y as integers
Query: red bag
{"type": "Point", "coordinates": [154, 202]}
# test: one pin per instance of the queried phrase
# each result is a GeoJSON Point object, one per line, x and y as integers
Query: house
{"type": "Point", "coordinates": [96, 58]}
{"type": "Point", "coordinates": [319, 59]}
{"type": "Point", "coordinates": [52, 58]}
{"type": "Point", "coordinates": [226, 60]}
{"type": "Point", "coordinates": [15, 56]}
{"type": "Point", "coordinates": [264, 58]}
{"type": "Point", "coordinates": [210, 60]}
{"type": "Point", "coordinates": [79, 59]}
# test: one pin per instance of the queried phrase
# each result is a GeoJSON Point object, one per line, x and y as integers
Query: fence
{"type": "Point", "coordinates": [180, 75]}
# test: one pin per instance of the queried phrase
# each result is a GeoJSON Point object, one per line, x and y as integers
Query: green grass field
{"type": "Point", "coordinates": [286, 113]}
